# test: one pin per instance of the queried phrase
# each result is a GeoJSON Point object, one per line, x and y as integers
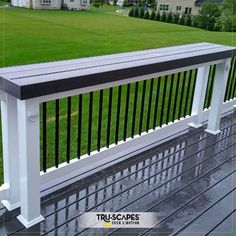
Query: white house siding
{"type": "Point", "coordinates": [173, 6]}
{"type": "Point", "coordinates": [77, 4]}
{"type": "Point", "coordinates": [55, 4]}
{"type": "Point", "coordinates": [21, 3]}
{"type": "Point", "coordinates": [15, 2]}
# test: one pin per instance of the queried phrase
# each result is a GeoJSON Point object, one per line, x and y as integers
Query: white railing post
{"type": "Point", "coordinates": [199, 95]}
{"type": "Point", "coordinates": [11, 198]}
{"type": "Point", "coordinates": [29, 154]}
{"type": "Point", "coordinates": [222, 73]}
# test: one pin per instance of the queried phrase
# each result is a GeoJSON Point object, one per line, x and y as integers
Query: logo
{"type": "Point", "coordinates": [118, 220]}
{"type": "Point", "coordinates": [107, 224]}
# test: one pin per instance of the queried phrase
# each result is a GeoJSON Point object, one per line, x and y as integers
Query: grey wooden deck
{"type": "Point", "coordinates": [189, 180]}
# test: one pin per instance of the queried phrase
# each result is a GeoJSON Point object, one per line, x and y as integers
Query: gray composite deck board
{"type": "Point", "coordinates": [42, 68]}
{"type": "Point", "coordinates": [226, 226]}
{"type": "Point", "coordinates": [57, 64]}
{"type": "Point", "coordinates": [48, 78]}
{"type": "Point", "coordinates": [113, 60]}
{"type": "Point", "coordinates": [189, 181]}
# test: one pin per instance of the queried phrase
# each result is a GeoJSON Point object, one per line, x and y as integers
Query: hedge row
{"type": "Point", "coordinates": [187, 20]}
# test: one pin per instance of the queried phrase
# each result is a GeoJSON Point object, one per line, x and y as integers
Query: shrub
{"type": "Point", "coordinates": [152, 4]}
{"type": "Point", "coordinates": [229, 4]}
{"type": "Point", "coordinates": [136, 12]}
{"type": "Point", "coordinates": [64, 6]}
{"type": "Point", "coordinates": [195, 21]}
{"type": "Point", "coordinates": [163, 17]}
{"type": "Point", "coordinates": [217, 26]}
{"type": "Point", "coordinates": [131, 12]}
{"type": "Point", "coordinates": [228, 15]}
{"type": "Point", "coordinates": [208, 15]}
{"type": "Point", "coordinates": [210, 26]}
{"type": "Point", "coordinates": [96, 4]}
{"type": "Point", "coordinates": [158, 16]}
{"type": "Point", "coordinates": [176, 18]}
{"type": "Point", "coordinates": [141, 3]}
{"type": "Point", "coordinates": [234, 23]}
{"type": "Point", "coordinates": [189, 20]}
{"type": "Point", "coordinates": [141, 13]}
{"type": "Point", "coordinates": [182, 20]}
{"type": "Point", "coordinates": [146, 15]}
{"type": "Point", "coordinates": [152, 16]}
{"type": "Point", "coordinates": [227, 20]}
{"type": "Point", "coordinates": [169, 18]}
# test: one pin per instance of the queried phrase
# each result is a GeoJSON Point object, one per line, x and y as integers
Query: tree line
{"type": "Point", "coordinates": [211, 16]}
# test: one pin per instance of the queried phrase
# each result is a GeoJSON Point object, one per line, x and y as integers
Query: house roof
{"type": "Point", "coordinates": [200, 2]}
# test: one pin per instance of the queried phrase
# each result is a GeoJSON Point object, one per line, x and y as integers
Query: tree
{"type": "Point", "coordinates": [229, 4]}
{"type": "Point", "coordinates": [152, 3]}
{"type": "Point", "coordinates": [169, 18]}
{"type": "Point", "coordinates": [228, 15]}
{"type": "Point", "coordinates": [64, 5]}
{"type": "Point", "coordinates": [146, 15]}
{"type": "Point", "coordinates": [176, 18]}
{"type": "Point", "coordinates": [158, 16]}
{"type": "Point", "coordinates": [217, 26]}
{"type": "Point", "coordinates": [141, 3]}
{"type": "Point", "coordinates": [189, 20]}
{"type": "Point", "coordinates": [131, 12]}
{"type": "Point", "coordinates": [96, 4]}
{"type": "Point", "coordinates": [182, 20]}
{"type": "Point", "coordinates": [163, 16]}
{"type": "Point", "coordinates": [141, 13]}
{"type": "Point", "coordinates": [136, 12]}
{"type": "Point", "coordinates": [226, 20]}
{"type": "Point", "coordinates": [208, 15]}
{"type": "Point", "coordinates": [152, 15]}
{"type": "Point", "coordinates": [210, 26]}
{"type": "Point", "coordinates": [195, 21]}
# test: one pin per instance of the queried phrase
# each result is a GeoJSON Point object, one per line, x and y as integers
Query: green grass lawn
{"type": "Point", "coordinates": [31, 36]}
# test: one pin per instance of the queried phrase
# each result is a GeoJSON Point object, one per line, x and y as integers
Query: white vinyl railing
{"type": "Point", "coordinates": [24, 88]}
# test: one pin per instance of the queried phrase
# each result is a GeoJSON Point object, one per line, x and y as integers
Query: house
{"type": "Point", "coordinates": [182, 7]}
{"type": "Point", "coordinates": [52, 4]}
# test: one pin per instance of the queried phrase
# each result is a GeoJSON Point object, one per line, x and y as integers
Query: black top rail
{"type": "Point", "coordinates": [37, 80]}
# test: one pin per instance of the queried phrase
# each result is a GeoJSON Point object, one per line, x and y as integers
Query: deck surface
{"type": "Point", "coordinates": [190, 181]}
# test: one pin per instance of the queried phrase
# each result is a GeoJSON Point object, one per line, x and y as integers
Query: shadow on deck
{"type": "Point", "coordinates": [190, 181]}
